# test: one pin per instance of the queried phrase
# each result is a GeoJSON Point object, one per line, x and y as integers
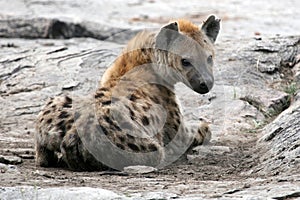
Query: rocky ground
{"type": "Point", "coordinates": [50, 48]}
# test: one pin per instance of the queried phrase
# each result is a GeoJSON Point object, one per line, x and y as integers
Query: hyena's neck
{"type": "Point", "coordinates": [139, 52]}
{"type": "Point", "coordinates": [145, 80]}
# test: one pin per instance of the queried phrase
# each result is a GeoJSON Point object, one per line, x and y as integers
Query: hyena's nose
{"type": "Point", "coordinates": [202, 86]}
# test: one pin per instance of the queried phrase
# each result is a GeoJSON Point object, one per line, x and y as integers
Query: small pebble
{"type": "Point", "coordinates": [139, 169]}
{"type": "Point", "coordinates": [12, 160]}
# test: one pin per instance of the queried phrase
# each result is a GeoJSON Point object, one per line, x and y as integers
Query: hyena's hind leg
{"type": "Point", "coordinates": [76, 156]}
{"type": "Point", "coordinates": [52, 123]}
{"type": "Point", "coordinates": [45, 157]}
{"type": "Point", "coordinates": [74, 152]}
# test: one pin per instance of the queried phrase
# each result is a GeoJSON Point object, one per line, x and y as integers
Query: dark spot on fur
{"type": "Point", "coordinates": [173, 103]}
{"type": "Point", "coordinates": [133, 97]}
{"type": "Point", "coordinates": [49, 121]}
{"type": "Point", "coordinates": [50, 102]}
{"type": "Point", "coordinates": [145, 121]}
{"type": "Point", "coordinates": [199, 132]}
{"type": "Point", "coordinates": [206, 129]}
{"type": "Point", "coordinates": [104, 103]}
{"type": "Point", "coordinates": [171, 114]}
{"type": "Point", "coordinates": [68, 100]}
{"type": "Point", "coordinates": [42, 119]}
{"type": "Point", "coordinates": [167, 100]}
{"type": "Point", "coordinates": [121, 146]}
{"type": "Point", "coordinates": [163, 89]}
{"type": "Point", "coordinates": [64, 145]}
{"type": "Point", "coordinates": [177, 121]}
{"type": "Point", "coordinates": [104, 130]}
{"type": "Point", "coordinates": [108, 120]}
{"type": "Point", "coordinates": [47, 112]}
{"type": "Point", "coordinates": [61, 123]}
{"type": "Point", "coordinates": [143, 148]}
{"type": "Point", "coordinates": [141, 93]}
{"type": "Point", "coordinates": [69, 126]}
{"type": "Point", "coordinates": [132, 115]}
{"type": "Point", "coordinates": [99, 95]}
{"type": "Point", "coordinates": [177, 114]}
{"type": "Point", "coordinates": [155, 100]}
{"type": "Point", "coordinates": [175, 126]}
{"type": "Point", "coordinates": [117, 127]}
{"type": "Point", "coordinates": [67, 105]}
{"type": "Point", "coordinates": [53, 107]}
{"type": "Point", "coordinates": [169, 92]}
{"type": "Point", "coordinates": [101, 129]}
{"type": "Point", "coordinates": [152, 147]}
{"type": "Point", "coordinates": [63, 114]}
{"type": "Point", "coordinates": [146, 107]}
{"type": "Point", "coordinates": [133, 147]}
{"type": "Point", "coordinates": [103, 89]}
{"type": "Point", "coordinates": [112, 123]}
{"type": "Point", "coordinates": [134, 106]}
{"type": "Point", "coordinates": [121, 138]}
{"type": "Point", "coordinates": [129, 136]}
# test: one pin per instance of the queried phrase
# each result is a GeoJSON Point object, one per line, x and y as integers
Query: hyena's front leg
{"type": "Point", "coordinates": [201, 133]}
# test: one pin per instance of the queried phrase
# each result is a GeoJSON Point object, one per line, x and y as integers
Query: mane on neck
{"type": "Point", "coordinates": [139, 51]}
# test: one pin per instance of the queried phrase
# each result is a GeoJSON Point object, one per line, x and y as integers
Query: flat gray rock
{"type": "Point", "coordinates": [76, 193]}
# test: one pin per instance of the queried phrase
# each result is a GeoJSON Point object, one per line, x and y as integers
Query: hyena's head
{"type": "Point", "coordinates": [185, 53]}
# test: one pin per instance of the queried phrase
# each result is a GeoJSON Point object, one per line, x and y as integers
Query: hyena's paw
{"type": "Point", "coordinates": [203, 135]}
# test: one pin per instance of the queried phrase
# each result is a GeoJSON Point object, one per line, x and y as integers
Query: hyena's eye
{"type": "Point", "coordinates": [185, 62]}
{"type": "Point", "coordinates": [210, 59]}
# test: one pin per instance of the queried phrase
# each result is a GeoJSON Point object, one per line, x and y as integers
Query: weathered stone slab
{"type": "Point", "coordinates": [39, 28]}
{"type": "Point", "coordinates": [281, 141]}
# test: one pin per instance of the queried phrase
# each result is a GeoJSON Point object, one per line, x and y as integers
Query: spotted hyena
{"type": "Point", "coordinates": [133, 118]}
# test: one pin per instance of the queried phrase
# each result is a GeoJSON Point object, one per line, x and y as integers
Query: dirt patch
{"type": "Point", "coordinates": [182, 178]}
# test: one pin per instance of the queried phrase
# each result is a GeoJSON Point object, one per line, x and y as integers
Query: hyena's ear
{"type": "Point", "coordinates": [211, 27]}
{"type": "Point", "coordinates": [166, 36]}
